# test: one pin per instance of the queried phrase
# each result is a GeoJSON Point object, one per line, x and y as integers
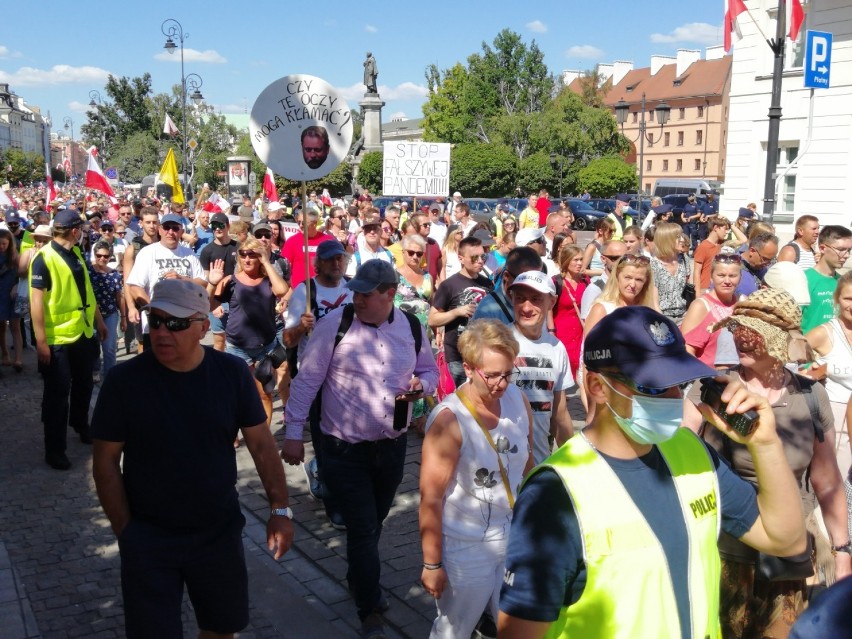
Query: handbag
{"type": "Point", "coordinates": [264, 371]}
{"type": "Point", "coordinates": [801, 566]}
{"type": "Point", "coordinates": [446, 385]}
{"type": "Point", "coordinates": [688, 292]}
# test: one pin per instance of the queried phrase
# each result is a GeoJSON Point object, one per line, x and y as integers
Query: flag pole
{"type": "Point", "coordinates": [307, 249]}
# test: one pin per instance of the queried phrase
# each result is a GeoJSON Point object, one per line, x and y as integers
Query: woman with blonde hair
{"type": "Point", "coordinates": [671, 271]}
{"type": "Point", "coordinates": [592, 262]}
{"type": "Point", "coordinates": [450, 251]}
{"type": "Point", "coordinates": [631, 283]}
{"type": "Point", "coordinates": [475, 454]}
{"type": "Point", "coordinates": [571, 283]}
{"type": "Point", "coordinates": [252, 292]}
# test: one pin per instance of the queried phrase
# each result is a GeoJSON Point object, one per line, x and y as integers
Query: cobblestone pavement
{"type": "Point", "coordinates": [59, 566]}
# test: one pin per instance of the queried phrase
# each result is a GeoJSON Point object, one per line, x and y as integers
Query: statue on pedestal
{"type": "Point", "coordinates": [371, 72]}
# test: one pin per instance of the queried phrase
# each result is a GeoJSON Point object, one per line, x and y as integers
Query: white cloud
{"type": "Point", "coordinates": [58, 74]}
{"type": "Point", "coordinates": [79, 107]}
{"type": "Point", "coordinates": [192, 55]}
{"type": "Point", "coordinates": [404, 91]}
{"type": "Point", "coordinates": [697, 32]}
{"type": "Point", "coordinates": [538, 26]}
{"type": "Point", "coordinates": [6, 53]}
{"type": "Point", "coordinates": [584, 51]}
{"type": "Point", "coordinates": [369, 28]}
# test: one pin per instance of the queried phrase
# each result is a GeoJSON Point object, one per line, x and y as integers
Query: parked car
{"type": "Point", "coordinates": [585, 217]}
{"type": "Point", "coordinates": [604, 205]}
{"type": "Point", "coordinates": [481, 209]}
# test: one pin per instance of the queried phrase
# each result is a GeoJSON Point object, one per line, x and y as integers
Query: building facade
{"type": "Point", "coordinates": [691, 144]}
{"type": "Point", "coordinates": [814, 164]}
{"type": "Point", "coordinates": [22, 126]}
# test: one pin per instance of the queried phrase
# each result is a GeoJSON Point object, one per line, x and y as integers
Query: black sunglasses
{"type": "Point", "coordinates": [249, 254]}
{"type": "Point", "coordinates": [266, 235]}
{"type": "Point", "coordinates": [173, 324]}
{"type": "Point", "coordinates": [217, 226]}
{"type": "Point", "coordinates": [414, 253]}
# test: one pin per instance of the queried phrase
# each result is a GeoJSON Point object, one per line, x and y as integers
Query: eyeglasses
{"type": "Point", "coordinates": [217, 226]}
{"type": "Point", "coordinates": [102, 256]}
{"type": "Point", "coordinates": [107, 229]}
{"type": "Point", "coordinates": [172, 324]}
{"type": "Point", "coordinates": [728, 258]}
{"type": "Point", "coordinates": [263, 235]}
{"type": "Point", "coordinates": [249, 254]}
{"type": "Point", "coordinates": [426, 225]}
{"type": "Point", "coordinates": [491, 379]}
{"type": "Point", "coordinates": [371, 229]}
{"type": "Point", "coordinates": [172, 228]}
{"type": "Point", "coordinates": [414, 253]}
{"type": "Point", "coordinates": [845, 251]}
{"type": "Point", "coordinates": [612, 258]}
{"type": "Point", "coordinates": [121, 232]}
{"type": "Point", "coordinates": [632, 258]}
{"type": "Point", "coordinates": [13, 225]}
{"type": "Point", "coordinates": [477, 258]}
{"type": "Point", "coordinates": [386, 229]}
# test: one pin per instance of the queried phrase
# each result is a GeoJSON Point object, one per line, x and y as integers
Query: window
{"type": "Point", "coordinates": [701, 112]}
{"type": "Point", "coordinates": [666, 138]}
{"type": "Point", "coordinates": [651, 115]}
{"type": "Point", "coordinates": [635, 117]}
{"type": "Point", "coordinates": [699, 137]}
{"type": "Point", "coordinates": [651, 139]}
{"type": "Point", "coordinates": [697, 165]}
{"type": "Point", "coordinates": [787, 189]}
{"type": "Point", "coordinates": [678, 165]}
{"type": "Point", "coordinates": [648, 165]}
{"type": "Point", "coordinates": [665, 165]}
{"type": "Point", "coordinates": [681, 113]}
{"type": "Point", "coordinates": [680, 138]}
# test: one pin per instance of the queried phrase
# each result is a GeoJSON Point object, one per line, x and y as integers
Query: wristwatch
{"type": "Point", "coordinates": [282, 512]}
{"type": "Point", "coordinates": [847, 548]}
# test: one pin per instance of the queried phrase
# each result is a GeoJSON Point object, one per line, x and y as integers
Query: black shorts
{"type": "Point", "coordinates": [156, 564]}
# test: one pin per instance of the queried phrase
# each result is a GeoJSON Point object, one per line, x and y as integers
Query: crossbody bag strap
{"type": "Point", "coordinates": [475, 414]}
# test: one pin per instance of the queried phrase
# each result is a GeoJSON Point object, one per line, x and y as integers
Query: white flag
{"type": "Point", "coordinates": [170, 128]}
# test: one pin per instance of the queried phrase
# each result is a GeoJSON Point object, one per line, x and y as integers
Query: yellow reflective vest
{"type": "Point", "coordinates": [618, 233]}
{"type": "Point", "coordinates": [629, 591]}
{"type": "Point", "coordinates": [66, 318]}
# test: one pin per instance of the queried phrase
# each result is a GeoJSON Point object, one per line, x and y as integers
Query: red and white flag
{"type": "Point", "coordinates": [733, 8]}
{"type": "Point", "coordinates": [92, 150]}
{"type": "Point", "coordinates": [51, 190]}
{"type": "Point", "coordinates": [269, 189]}
{"type": "Point", "coordinates": [795, 18]}
{"type": "Point", "coordinates": [95, 179]}
{"type": "Point", "coordinates": [170, 128]}
{"type": "Point", "coordinates": [216, 204]}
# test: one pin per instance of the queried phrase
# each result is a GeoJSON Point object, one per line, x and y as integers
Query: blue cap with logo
{"type": "Point", "coordinates": [328, 249]}
{"type": "Point", "coordinates": [67, 219]}
{"type": "Point", "coordinates": [644, 346]}
{"type": "Point", "coordinates": [171, 217]}
{"type": "Point", "coordinates": [372, 274]}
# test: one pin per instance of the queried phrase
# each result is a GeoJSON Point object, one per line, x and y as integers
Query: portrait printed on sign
{"type": "Point", "coordinates": [238, 174]}
{"type": "Point", "coordinates": [301, 127]}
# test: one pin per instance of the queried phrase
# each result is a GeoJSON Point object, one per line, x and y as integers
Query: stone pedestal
{"type": "Point", "coordinates": [371, 111]}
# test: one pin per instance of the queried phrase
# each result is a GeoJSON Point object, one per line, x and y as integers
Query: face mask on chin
{"type": "Point", "coordinates": [652, 420]}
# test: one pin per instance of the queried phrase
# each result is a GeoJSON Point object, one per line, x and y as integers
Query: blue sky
{"type": "Point", "coordinates": [239, 48]}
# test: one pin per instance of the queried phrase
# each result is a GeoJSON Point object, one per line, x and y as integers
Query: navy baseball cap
{"type": "Point", "coordinates": [827, 615]}
{"type": "Point", "coordinates": [67, 219]}
{"type": "Point", "coordinates": [372, 274]}
{"type": "Point", "coordinates": [746, 212]}
{"type": "Point", "coordinates": [171, 217]}
{"type": "Point", "coordinates": [328, 249]}
{"type": "Point", "coordinates": [644, 346]}
{"type": "Point", "coordinates": [13, 217]}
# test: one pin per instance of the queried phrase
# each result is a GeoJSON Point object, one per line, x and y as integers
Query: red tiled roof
{"type": "Point", "coordinates": [701, 78]}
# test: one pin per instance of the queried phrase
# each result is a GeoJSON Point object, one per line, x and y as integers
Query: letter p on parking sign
{"type": "Point", "coordinates": [818, 60]}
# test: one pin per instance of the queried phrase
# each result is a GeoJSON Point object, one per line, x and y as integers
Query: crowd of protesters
{"type": "Point", "coordinates": [474, 335]}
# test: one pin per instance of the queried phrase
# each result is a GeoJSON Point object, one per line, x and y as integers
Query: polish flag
{"type": "Point", "coordinates": [170, 128]}
{"type": "Point", "coordinates": [216, 204]}
{"type": "Point", "coordinates": [95, 179]}
{"type": "Point", "coordinates": [92, 150]}
{"type": "Point", "coordinates": [733, 8]}
{"type": "Point", "coordinates": [269, 189]}
{"type": "Point", "coordinates": [51, 190]}
{"type": "Point", "coordinates": [795, 18]}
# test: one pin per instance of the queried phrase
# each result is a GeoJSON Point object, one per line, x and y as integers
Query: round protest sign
{"type": "Point", "coordinates": [300, 127]}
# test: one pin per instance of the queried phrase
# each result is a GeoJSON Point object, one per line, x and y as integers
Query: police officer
{"type": "Point", "coordinates": [691, 217]}
{"type": "Point", "coordinates": [64, 315]}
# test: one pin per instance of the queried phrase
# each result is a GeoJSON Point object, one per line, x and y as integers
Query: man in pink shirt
{"type": "Point", "coordinates": [294, 249]}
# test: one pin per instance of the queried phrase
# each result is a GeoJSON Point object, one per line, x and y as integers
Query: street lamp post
{"type": "Point", "coordinates": [173, 29]}
{"type": "Point", "coordinates": [69, 124]}
{"type": "Point", "coordinates": [561, 166]}
{"type": "Point", "coordinates": [621, 110]}
{"type": "Point", "coordinates": [95, 102]}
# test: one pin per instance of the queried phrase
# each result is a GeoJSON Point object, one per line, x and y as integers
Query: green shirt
{"type": "Point", "coordinates": [821, 308]}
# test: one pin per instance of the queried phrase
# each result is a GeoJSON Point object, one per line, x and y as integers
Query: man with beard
{"type": "Point", "coordinates": [315, 146]}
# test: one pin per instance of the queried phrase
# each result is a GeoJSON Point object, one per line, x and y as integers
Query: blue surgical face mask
{"type": "Point", "coordinates": [652, 420]}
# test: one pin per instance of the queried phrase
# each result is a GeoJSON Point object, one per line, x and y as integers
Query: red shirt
{"type": "Point", "coordinates": [294, 250]}
{"type": "Point", "coordinates": [543, 207]}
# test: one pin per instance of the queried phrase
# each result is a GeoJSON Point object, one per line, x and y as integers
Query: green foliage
{"type": "Point", "coordinates": [446, 118]}
{"type": "Point", "coordinates": [26, 166]}
{"type": "Point", "coordinates": [370, 171]}
{"type": "Point", "coordinates": [487, 170]}
{"type": "Point", "coordinates": [606, 176]}
{"type": "Point", "coordinates": [136, 157]}
{"type": "Point", "coordinates": [536, 172]}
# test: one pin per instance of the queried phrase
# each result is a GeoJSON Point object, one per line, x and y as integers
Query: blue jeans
{"type": "Point", "coordinates": [363, 478]}
{"type": "Point", "coordinates": [457, 371]}
{"type": "Point", "coordinates": [109, 345]}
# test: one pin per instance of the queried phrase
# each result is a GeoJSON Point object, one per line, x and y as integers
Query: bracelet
{"type": "Point", "coordinates": [437, 566]}
{"type": "Point", "coordinates": [845, 548]}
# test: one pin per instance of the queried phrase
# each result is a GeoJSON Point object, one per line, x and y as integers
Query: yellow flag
{"type": "Point", "coordinates": [169, 175]}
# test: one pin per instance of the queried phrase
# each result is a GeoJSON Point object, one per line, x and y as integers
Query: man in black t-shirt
{"type": "Point", "coordinates": [456, 299]}
{"type": "Point", "coordinates": [221, 248]}
{"type": "Point", "coordinates": [165, 472]}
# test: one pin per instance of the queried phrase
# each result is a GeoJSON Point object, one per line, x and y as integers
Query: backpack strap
{"type": "Point", "coordinates": [314, 298]}
{"type": "Point", "coordinates": [349, 315]}
{"type": "Point", "coordinates": [502, 306]}
{"type": "Point", "coordinates": [805, 386]}
{"type": "Point", "coordinates": [797, 249]}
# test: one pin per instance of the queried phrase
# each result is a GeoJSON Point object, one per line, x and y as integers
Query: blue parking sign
{"type": "Point", "coordinates": [818, 60]}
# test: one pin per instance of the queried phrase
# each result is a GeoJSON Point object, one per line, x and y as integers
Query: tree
{"type": "Point", "coordinates": [370, 171]}
{"type": "Point", "coordinates": [486, 170]}
{"type": "Point", "coordinates": [445, 117]}
{"type": "Point", "coordinates": [606, 176]}
{"type": "Point", "coordinates": [26, 166]}
{"type": "Point", "coordinates": [536, 172]}
{"type": "Point", "coordinates": [136, 157]}
{"type": "Point", "coordinates": [126, 111]}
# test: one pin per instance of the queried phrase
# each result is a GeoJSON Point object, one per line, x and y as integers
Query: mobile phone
{"type": "Point", "coordinates": [711, 394]}
{"type": "Point", "coordinates": [412, 393]}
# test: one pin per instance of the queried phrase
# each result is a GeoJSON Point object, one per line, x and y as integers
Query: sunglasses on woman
{"type": "Point", "coordinates": [250, 254]}
{"type": "Point", "coordinates": [728, 258]}
{"type": "Point", "coordinates": [263, 235]}
{"type": "Point", "coordinates": [414, 253]}
{"type": "Point", "coordinates": [173, 324]}
{"type": "Point", "coordinates": [631, 258]}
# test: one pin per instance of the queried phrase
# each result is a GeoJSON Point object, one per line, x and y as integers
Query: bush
{"type": "Point", "coordinates": [606, 176]}
{"type": "Point", "coordinates": [370, 171]}
{"type": "Point", "coordinates": [483, 170]}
